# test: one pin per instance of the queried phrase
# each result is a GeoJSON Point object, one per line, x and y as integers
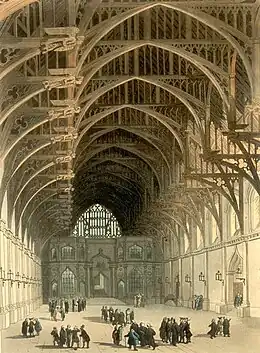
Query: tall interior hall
{"type": "Point", "coordinates": [129, 153]}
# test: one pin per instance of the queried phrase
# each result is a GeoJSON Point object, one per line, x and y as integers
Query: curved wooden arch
{"type": "Point", "coordinates": [30, 179]}
{"type": "Point", "coordinates": [37, 149]}
{"type": "Point", "coordinates": [140, 134]}
{"type": "Point", "coordinates": [13, 65]}
{"type": "Point", "coordinates": [112, 162]}
{"type": "Point", "coordinates": [127, 180]}
{"type": "Point", "coordinates": [99, 92]}
{"type": "Point", "coordinates": [9, 111]}
{"type": "Point", "coordinates": [222, 28]}
{"type": "Point", "coordinates": [21, 136]}
{"type": "Point", "coordinates": [7, 9]}
{"type": "Point", "coordinates": [196, 60]}
{"type": "Point", "coordinates": [32, 197]}
{"type": "Point", "coordinates": [131, 150]}
{"type": "Point", "coordinates": [167, 122]}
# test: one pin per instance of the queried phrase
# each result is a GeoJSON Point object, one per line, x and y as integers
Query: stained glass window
{"type": "Point", "coordinates": [68, 253]}
{"type": "Point", "coordinates": [97, 222]}
{"type": "Point", "coordinates": [136, 252]}
{"type": "Point", "coordinates": [135, 281]}
{"type": "Point", "coordinates": [68, 282]}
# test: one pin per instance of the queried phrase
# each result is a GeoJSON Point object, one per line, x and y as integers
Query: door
{"type": "Point", "coordinates": [237, 289]}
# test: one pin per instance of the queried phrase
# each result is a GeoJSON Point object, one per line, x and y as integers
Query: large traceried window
{"type": "Point", "coordinates": [136, 252]}
{"type": "Point", "coordinates": [68, 253]}
{"type": "Point", "coordinates": [135, 281]}
{"type": "Point", "coordinates": [97, 222]}
{"type": "Point", "coordinates": [68, 282]}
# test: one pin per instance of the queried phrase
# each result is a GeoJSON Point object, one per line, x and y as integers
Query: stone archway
{"type": "Point", "coordinates": [234, 286]}
{"type": "Point", "coordinates": [121, 289]}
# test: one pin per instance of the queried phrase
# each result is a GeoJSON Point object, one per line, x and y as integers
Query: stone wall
{"type": "Point", "coordinates": [20, 278]}
{"type": "Point", "coordinates": [110, 258]}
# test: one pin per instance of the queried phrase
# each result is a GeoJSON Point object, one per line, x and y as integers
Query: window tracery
{"type": "Point", "coordinates": [68, 253]}
{"type": "Point", "coordinates": [136, 252]}
{"type": "Point", "coordinates": [68, 282]}
{"type": "Point", "coordinates": [135, 281]}
{"type": "Point", "coordinates": [97, 222]}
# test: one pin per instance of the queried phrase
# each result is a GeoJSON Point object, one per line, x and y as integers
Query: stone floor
{"type": "Point", "coordinates": [245, 335]}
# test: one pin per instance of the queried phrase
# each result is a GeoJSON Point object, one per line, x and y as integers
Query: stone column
{"type": "Point", "coordinates": [244, 310]}
{"type": "Point", "coordinates": [113, 284]}
{"type": "Point", "coordinates": [192, 282]}
{"type": "Point", "coordinates": [88, 293]}
{"type": "Point", "coordinates": [206, 302]}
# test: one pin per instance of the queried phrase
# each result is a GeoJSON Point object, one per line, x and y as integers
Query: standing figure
{"type": "Point", "coordinates": [187, 331]}
{"type": "Point", "coordinates": [63, 336]}
{"type": "Point", "coordinates": [62, 314]}
{"type": "Point", "coordinates": [127, 316]}
{"type": "Point", "coordinates": [181, 331]}
{"type": "Point", "coordinates": [213, 329]}
{"type": "Point", "coordinates": [150, 333]}
{"type": "Point", "coordinates": [162, 329]}
{"type": "Point", "coordinates": [226, 327]}
{"type": "Point", "coordinates": [220, 326]}
{"type": "Point", "coordinates": [31, 328]}
{"type": "Point", "coordinates": [66, 306]}
{"type": "Point", "coordinates": [132, 315]}
{"type": "Point", "coordinates": [38, 327]}
{"type": "Point", "coordinates": [133, 339]}
{"type": "Point", "coordinates": [55, 335]}
{"type": "Point", "coordinates": [117, 334]}
{"type": "Point", "coordinates": [68, 336]}
{"type": "Point", "coordinates": [25, 326]}
{"type": "Point", "coordinates": [75, 337]}
{"type": "Point", "coordinates": [85, 337]}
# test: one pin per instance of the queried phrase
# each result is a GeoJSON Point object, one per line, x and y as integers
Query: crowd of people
{"type": "Point", "coordinates": [139, 301]}
{"type": "Point", "coordinates": [117, 316]}
{"type": "Point", "coordinates": [62, 306]}
{"type": "Point", "coordinates": [238, 301]}
{"type": "Point", "coordinates": [31, 327]}
{"type": "Point", "coordinates": [174, 333]}
{"type": "Point", "coordinates": [198, 302]}
{"type": "Point", "coordinates": [70, 336]}
{"type": "Point", "coordinates": [220, 328]}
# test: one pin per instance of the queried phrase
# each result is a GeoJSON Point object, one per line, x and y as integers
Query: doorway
{"type": "Point", "coordinates": [121, 289]}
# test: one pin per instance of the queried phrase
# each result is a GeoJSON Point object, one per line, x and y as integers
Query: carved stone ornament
{"type": "Point", "coordinates": [63, 82]}
{"type": "Point", "coordinates": [68, 137]}
{"type": "Point", "coordinates": [70, 175]}
{"type": "Point", "coordinates": [62, 44]}
{"type": "Point", "coordinates": [64, 159]}
{"type": "Point", "coordinates": [63, 113]}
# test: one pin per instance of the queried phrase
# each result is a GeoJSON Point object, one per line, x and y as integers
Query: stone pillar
{"type": "Point", "coordinates": [192, 282]}
{"type": "Point", "coordinates": [181, 280]}
{"type": "Point", "coordinates": [206, 302]}
{"type": "Point", "coordinates": [88, 293]}
{"type": "Point", "coordinates": [113, 284]}
{"type": "Point", "coordinates": [244, 310]}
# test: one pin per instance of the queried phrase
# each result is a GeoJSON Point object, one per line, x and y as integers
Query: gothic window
{"type": "Point", "coordinates": [53, 254]}
{"type": "Point", "coordinates": [149, 252]}
{"type": "Point", "coordinates": [136, 252]}
{"type": "Point", "coordinates": [254, 210]}
{"type": "Point", "coordinates": [97, 222]}
{"type": "Point", "coordinates": [68, 253]}
{"type": "Point", "coordinates": [68, 282]}
{"type": "Point", "coordinates": [120, 253]}
{"type": "Point", "coordinates": [135, 281]}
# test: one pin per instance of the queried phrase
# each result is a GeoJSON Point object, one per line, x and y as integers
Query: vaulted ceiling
{"type": "Point", "coordinates": [115, 102]}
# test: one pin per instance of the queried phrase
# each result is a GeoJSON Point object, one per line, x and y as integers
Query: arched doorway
{"type": "Point", "coordinates": [121, 289]}
{"type": "Point", "coordinates": [235, 285]}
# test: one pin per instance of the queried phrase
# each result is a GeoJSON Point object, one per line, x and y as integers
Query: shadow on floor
{"type": "Point", "coordinates": [47, 346]}
{"type": "Point", "coordinates": [107, 344]}
{"type": "Point", "coordinates": [93, 319]}
{"type": "Point", "coordinates": [202, 335]}
{"type": "Point", "coordinates": [19, 337]}
{"type": "Point", "coordinates": [44, 318]}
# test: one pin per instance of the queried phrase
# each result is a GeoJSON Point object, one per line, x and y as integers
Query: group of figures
{"type": "Point", "coordinates": [61, 306]}
{"type": "Point", "coordinates": [117, 316]}
{"type": "Point", "coordinates": [139, 301]}
{"type": "Point", "coordinates": [70, 336]}
{"type": "Point", "coordinates": [173, 333]}
{"type": "Point", "coordinates": [198, 302]}
{"type": "Point", "coordinates": [221, 327]}
{"type": "Point", "coordinates": [238, 300]}
{"type": "Point", "coordinates": [31, 327]}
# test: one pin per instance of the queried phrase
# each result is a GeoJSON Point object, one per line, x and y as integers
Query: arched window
{"type": "Point", "coordinates": [97, 222]}
{"type": "Point", "coordinates": [233, 224]}
{"type": "Point", "coordinates": [68, 282]}
{"type": "Point", "coordinates": [53, 254]}
{"type": "Point", "coordinates": [199, 237]}
{"type": "Point", "coordinates": [68, 253]}
{"type": "Point", "coordinates": [149, 252]}
{"type": "Point", "coordinates": [136, 252]}
{"type": "Point", "coordinates": [135, 281]}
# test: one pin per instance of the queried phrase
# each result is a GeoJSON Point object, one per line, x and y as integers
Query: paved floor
{"type": "Point", "coordinates": [245, 337]}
